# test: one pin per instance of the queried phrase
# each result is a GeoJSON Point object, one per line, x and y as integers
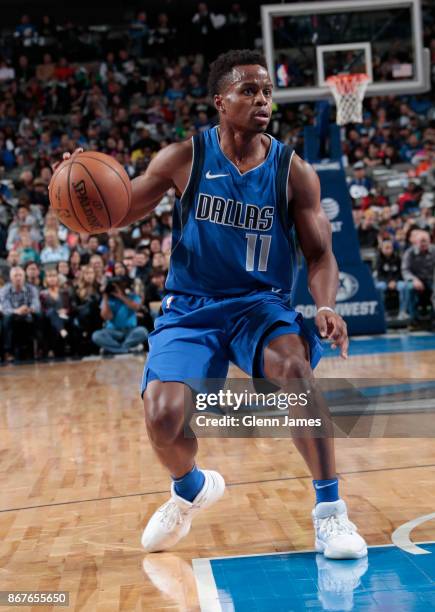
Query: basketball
{"type": "Point", "coordinates": [91, 192]}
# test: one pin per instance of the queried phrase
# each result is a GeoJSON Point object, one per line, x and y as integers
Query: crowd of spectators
{"type": "Point", "coordinates": [65, 293]}
{"type": "Point", "coordinates": [86, 294]}
{"type": "Point", "coordinates": [391, 158]}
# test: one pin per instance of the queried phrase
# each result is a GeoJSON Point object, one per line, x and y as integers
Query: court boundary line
{"type": "Point", "coordinates": [295, 552]}
{"type": "Point", "coordinates": [230, 484]}
{"type": "Point", "coordinates": [401, 536]}
{"type": "Point", "coordinates": [208, 596]}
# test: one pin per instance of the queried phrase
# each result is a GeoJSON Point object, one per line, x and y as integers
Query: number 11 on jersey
{"type": "Point", "coordinates": [251, 249]}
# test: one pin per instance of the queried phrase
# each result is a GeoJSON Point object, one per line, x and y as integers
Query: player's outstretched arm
{"type": "Point", "coordinates": [314, 234]}
{"type": "Point", "coordinates": [169, 168]}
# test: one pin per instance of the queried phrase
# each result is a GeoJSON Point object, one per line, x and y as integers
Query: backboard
{"type": "Point", "coordinates": [307, 42]}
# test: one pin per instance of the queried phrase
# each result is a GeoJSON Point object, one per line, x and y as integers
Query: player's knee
{"type": "Point", "coordinates": [289, 368]}
{"type": "Point", "coordinates": [164, 420]}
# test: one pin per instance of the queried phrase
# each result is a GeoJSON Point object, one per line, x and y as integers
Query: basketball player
{"type": "Point", "coordinates": [241, 196]}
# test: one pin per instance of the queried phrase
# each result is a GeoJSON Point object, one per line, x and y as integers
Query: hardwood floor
{"type": "Point", "coordinates": [79, 480]}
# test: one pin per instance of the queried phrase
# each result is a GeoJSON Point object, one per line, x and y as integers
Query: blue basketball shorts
{"type": "Point", "coordinates": [197, 337]}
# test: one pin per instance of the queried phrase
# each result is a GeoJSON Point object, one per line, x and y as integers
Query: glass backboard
{"type": "Point", "coordinates": [309, 41]}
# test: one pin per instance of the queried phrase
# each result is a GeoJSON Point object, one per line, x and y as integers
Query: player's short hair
{"type": "Point", "coordinates": [226, 62]}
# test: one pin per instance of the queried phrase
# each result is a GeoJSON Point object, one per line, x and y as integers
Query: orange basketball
{"type": "Point", "coordinates": [91, 192]}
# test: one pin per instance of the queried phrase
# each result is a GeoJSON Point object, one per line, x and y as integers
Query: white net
{"type": "Point", "coordinates": [348, 91]}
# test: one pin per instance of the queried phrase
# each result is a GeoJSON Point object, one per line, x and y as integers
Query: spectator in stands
{"type": "Point", "coordinates": [33, 274]}
{"type": "Point", "coordinates": [75, 261]}
{"type": "Point", "coordinates": [142, 264]}
{"type": "Point", "coordinates": [425, 219]}
{"type": "Point", "coordinates": [87, 307]}
{"type": "Point", "coordinates": [410, 148]}
{"type": "Point", "coordinates": [5, 208]}
{"type": "Point", "coordinates": [13, 259]}
{"type": "Point", "coordinates": [165, 222]}
{"type": "Point", "coordinates": [118, 309]}
{"type": "Point", "coordinates": [47, 29]}
{"type": "Point", "coordinates": [22, 218]}
{"type": "Point", "coordinates": [57, 308]}
{"type": "Point", "coordinates": [374, 199]}
{"type": "Point", "coordinates": [159, 261]}
{"type": "Point", "coordinates": [20, 306]}
{"type": "Point", "coordinates": [391, 156]}
{"type": "Point", "coordinates": [7, 73]}
{"type": "Point", "coordinates": [139, 33]}
{"type": "Point", "coordinates": [237, 31]}
{"type": "Point", "coordinates": [120, 269]}
{"type": "Point", "coordinates": [360, 184]}
{"type": "Point", "coordinates": [65, 278]}
{"type": "Point", "coordinates": [26, 30]}
{"type": "Point", "coordinates": [155, 245]}
{"type": "Point", "coordinates": [389, 279]}
{"type": "Point", "coordinates": [163, 36]}
{"type": "Point", "coordinates": [128, 261]}
{"type": "Point", "coordinates": [93, 247]}
{"type": "Point", "coordinates": [24, 71]}
{"type": "Point", "coordinates": [115, 251]}
{"type": "Point", "coordinates": [143, 235]}
{"type": "Point", "coordinates": [206, 27]}
{"type": "Point", "coordinates": [45, 73]}
{"type": "Point", "coordinates": [155, 291]}
{"type": "Point", "coordinates": [3, 239]}
{"type": "Point", "coordinates": [410, 199]}
{"type": "Point", "coordinates": [53, 250]}
{"type": "Point", "coordinates": [97, 263]}
{"type": "Point", "coordinates": [27, 249]}
{"type": "Point", "coordinates": [368, 232]}
{"type": "Point", "coordinates": [63, 71]}
{"type": "Point", "coordinates": [418, 267]}
{"type": "Point", "coordinates": [374, 156]}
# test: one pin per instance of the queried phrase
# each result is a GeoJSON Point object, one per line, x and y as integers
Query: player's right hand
{"type": "Point", "coordinates": [333, 327]}
{"type": "Point", "coordinates": [65, 157]}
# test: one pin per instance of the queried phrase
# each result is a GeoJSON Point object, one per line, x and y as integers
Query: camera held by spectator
{"type": "Point", "coordinates": [119, 306]}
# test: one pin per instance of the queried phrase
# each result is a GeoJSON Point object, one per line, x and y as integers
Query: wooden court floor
{"type": "Point", "coordinates": [78, 481]}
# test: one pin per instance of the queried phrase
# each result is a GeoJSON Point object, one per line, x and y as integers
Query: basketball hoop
{"type": "Point", "coordinates": [348, 91]}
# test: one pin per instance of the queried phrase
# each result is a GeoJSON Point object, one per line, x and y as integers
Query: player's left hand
{"type": "Point", "coordinates": [334, 328]}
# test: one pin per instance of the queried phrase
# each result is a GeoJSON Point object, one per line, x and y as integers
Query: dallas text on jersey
{"type": "Point", "coordinates": [233, 213]}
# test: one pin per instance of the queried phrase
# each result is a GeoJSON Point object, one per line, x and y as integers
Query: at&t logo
{"type": "Point", "coordinates": [332, 209]}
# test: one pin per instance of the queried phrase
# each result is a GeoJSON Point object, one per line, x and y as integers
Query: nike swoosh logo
{"type": "Point", "coordinates": [209, 175]}
{"type": "Point", "coordinates": [323, 486]}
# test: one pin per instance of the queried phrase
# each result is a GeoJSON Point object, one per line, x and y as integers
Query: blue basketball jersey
{"type": "Point", "coordinates": [232, 232]}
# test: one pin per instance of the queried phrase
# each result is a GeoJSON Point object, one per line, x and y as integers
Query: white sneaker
{"type": "Point", "coordinates": [172, 521]}
{"type": "Point", "coordinates": [336, 536]}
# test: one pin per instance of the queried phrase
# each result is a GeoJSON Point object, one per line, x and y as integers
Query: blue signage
{"type": "Point", "coordinates": [357, 299]}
